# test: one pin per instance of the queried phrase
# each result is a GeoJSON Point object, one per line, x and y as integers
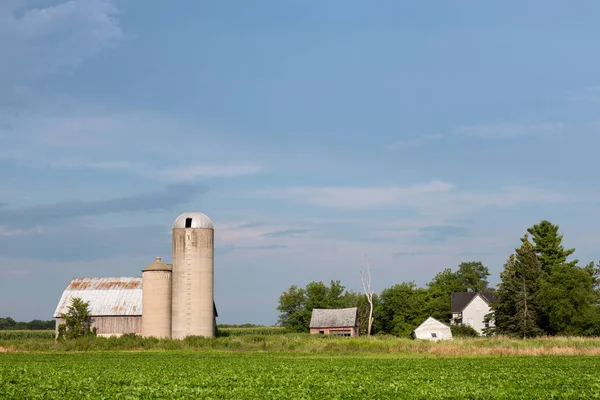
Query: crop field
{"type": "Point", "coordinates": [252, 375]}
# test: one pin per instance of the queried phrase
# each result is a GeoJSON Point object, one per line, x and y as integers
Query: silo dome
{"type": "Point", "coordinates": [193, 220]}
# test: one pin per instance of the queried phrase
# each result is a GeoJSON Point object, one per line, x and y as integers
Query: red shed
{"type": "Point", "coordinates": [341, 322]}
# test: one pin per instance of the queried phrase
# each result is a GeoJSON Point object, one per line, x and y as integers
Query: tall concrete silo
{"type": "Point", "coordinates": [156, 299]}
{"type": "Point", "coordinates": [193, 276]}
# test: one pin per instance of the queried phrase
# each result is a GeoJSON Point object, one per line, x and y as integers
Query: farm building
{"type": "Point", "coordinates": [115, 303]}
{"type": "Point", "coordinates": [341, 321]}
{"type": "Point", "coordinates": [432, 329]}
{"type": "Point", "coordinates": [470, 308]}
{"type": "Point", "coordinates": [168, 300]}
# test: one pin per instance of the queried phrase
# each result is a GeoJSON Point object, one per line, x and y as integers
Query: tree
{"type": "Point", "coordinates": [365, 277]}
{"type": "Point", "coordinates": [296, 305]}
{"type": "Point", "coordinates": [548, 246]}
{"type": "Point", "coordinates": [359, 300]}
{"type": "Point", "coordinates": [439, 294]}
{"type": "Point", "coordinates": [517, 311]}
{"type": "Point", "coordinates": [472, 276]}
{"type": "Point", "coordinates": [292, 308]}
{"type": "Point", "coordinates": [568, 296]}
{"type": "Point", "coordinates": [78, 321]}
{"type": "Point", "coordinates": [402, 308]}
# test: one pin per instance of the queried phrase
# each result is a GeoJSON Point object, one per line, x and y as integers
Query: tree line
{"type": "Point", "coordinates": [34, 325]}
{"type": "Point", "coordinates": [540, 292]}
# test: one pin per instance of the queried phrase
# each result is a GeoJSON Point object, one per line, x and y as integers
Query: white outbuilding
{"type": "Point", "coordinates": [432, 329]}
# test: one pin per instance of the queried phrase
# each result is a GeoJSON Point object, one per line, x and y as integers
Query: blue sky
{"type": "Point", "coordinates": [312, 133]}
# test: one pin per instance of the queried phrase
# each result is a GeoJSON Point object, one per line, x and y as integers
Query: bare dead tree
{"type": "Point", "coordinates": [365, 276]}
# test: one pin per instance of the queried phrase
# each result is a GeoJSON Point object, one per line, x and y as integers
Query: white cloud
{"type": "Point", "coordinates": [106, 141]}
{"type": "Point", "coordinates": [41, 41]}
{"type": "Point", "coordinates": [200, 171]}
{"type": "Point", "coordinates": [5, 231]}
{"type": "Point", "coordinates": [430, 198]}
{"type": "Point", "coordinates": [510, 130]}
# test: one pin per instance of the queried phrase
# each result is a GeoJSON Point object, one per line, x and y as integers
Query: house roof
{"type": "Point", "coordinates": [431, 321]}
{"type": "Point", "coordinates": [461, 299]}
{"type": "Point", "coordinates": [333, 318]}
{"type": "Point", "coordinates": [107, 296]}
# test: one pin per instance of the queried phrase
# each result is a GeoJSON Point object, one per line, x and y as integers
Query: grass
{"type": "Point", "coordinates": [277, 340]}
{"type": "Point", "coordinates": [250, 375]}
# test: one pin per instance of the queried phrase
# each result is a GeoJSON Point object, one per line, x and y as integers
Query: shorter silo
{"type": "Point", "coordinates": [156, 299]}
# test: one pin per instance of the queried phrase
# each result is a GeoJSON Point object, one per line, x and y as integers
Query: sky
{"type": "Point", "coordinates": [313, 134]}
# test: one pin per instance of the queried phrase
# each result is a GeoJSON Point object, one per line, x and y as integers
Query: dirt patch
{"type": "Point", "coordinates": [5, 350]}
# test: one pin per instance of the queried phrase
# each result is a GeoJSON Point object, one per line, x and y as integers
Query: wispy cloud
{"type": "Point", "coordinates": [430, 198]}
{"type": "Point", "coordinates": [62, 212]}
{"type": "Point", "coordinates": [414, 141]}
{"type": "Point", "coordinates": [199, 171]}
{"type": "Point", "coordinates": [511, 130]}
{"type": "Point", "coordinates": [356, 197]}
{"type": "Point", "coordinates": [286, 232]}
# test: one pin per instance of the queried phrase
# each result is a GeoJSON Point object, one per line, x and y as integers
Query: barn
{"type": "Point", "coordinates": [340, 322]}
{"type": "Point", "coordinates": [432, 329]}
{"type": "Point", "coordinates": [115, 303]}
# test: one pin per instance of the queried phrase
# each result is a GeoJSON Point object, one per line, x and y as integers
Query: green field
{"type": "Point", "coordinates": [227, 375]}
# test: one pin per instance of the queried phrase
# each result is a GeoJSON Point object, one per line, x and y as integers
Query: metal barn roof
{"type": "Point", "coordinates": [333, 318]}
{"type": "Point", "coordinates": [107, 296]}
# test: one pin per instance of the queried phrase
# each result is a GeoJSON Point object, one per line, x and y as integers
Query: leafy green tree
{"type": "Point", "coordinates": [292, 307]}
{"type": "Point", "coordinates": [473, 276]}
{"type": "Point", "coordinates": [548, 246]}
{"type": "Point", "coordinates": [439, 294]}
{"type": "Point", "coordinates": [7, 323]}
{"type": "Point", "coordinates": [568, 297]}
{"type": "Point", "coordinates": [402, 308]}
{"type": "Point", "coordinates": [78, 320]}
{"type": "Point", "coordinates": [296, 304]}
{"type": "Point", "coordinates": [518, 310]}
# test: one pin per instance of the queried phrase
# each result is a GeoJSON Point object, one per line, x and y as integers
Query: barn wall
{"type": "Point", "coordinates": [113, 325]}
{"type": "Point", "coordinates": [329, 331]}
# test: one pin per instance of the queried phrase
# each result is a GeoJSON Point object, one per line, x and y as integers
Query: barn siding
{"type": "Point", "coordinates": [113, 325]}
{"type": "Point", "coordinates": [353, 330]}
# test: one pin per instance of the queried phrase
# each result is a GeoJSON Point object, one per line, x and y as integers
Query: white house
{"type": "Point", "coordinates": [432, 329]}
{"type": "Point", "coordinates": [470, 308]}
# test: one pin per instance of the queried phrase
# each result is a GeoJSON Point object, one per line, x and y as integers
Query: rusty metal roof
{"type": "Point", "coordinates": [107, 296]}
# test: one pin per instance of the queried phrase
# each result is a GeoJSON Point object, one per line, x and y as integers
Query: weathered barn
{"type": "Point", "coordinates": [470, 308]}
{"type": "Point", "coordinates": [178, 298]}
{"type": "Point", "coordinates": [341, 321]}
{"type": "Point", "coordinates": [115, 303]}
{"type": "Point", "coordinates": [432, 329]}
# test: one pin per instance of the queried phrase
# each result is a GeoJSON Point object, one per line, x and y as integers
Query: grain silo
{"type": "Point", "coordinates": [156, 297]}
{"type": "Point", "coordinates": [193, 309]}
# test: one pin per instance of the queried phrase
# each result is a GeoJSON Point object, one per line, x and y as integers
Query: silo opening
{"type": "Point", "coordinates": [188, 222]}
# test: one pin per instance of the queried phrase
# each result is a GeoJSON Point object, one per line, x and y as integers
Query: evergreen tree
{"type": "Point", "coordinates": [518, 310]}
{"type": "Point", "coordinates": [548, 246]}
